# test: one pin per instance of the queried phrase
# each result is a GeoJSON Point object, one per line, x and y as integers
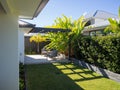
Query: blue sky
{"type": "Point", "coordinates": [73, 8]}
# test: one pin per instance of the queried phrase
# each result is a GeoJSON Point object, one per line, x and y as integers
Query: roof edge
{"type": "Point", "coordinates": [40, 7]}
{"type": "Point", "coordinates": [27, 25]}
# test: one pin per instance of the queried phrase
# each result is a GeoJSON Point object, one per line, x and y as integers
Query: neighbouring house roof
{"type": "Point", "coordinates": [100, 14]}
{"type": "Point", "coordinates": [24, 24]}
{"type": "Point", "coordinates": [96, 26]}
{"type": "Point", "coordinates": [45, 30]}
{"type": "Point", "coordinates": [100, 24]}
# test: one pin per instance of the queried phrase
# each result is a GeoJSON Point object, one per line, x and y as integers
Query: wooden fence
{"type": "Point", "coordinates": [31, 47]}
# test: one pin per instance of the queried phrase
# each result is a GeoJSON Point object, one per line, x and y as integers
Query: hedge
{"type": "Point", "coordinates": [102, 51]}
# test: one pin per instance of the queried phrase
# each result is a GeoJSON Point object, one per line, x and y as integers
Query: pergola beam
{"type": "Point", "coordinates": [46, 30]}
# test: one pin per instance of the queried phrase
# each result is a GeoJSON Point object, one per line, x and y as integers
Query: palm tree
{"type": "Point", "coordinates": [37, 39]}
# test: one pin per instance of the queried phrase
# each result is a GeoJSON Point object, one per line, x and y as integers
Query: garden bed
{"type": "Point", "coordinates": [22, 85]}
{"type": "Point", "coordinates": [104, 72]}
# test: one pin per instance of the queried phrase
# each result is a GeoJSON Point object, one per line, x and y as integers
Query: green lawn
{"type": "Point", "coordinates": [66, 76]}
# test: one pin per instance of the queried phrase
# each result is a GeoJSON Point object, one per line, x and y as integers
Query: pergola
{"type": "Point", "coordinates": [54, 30]}
{"type": "Point", "coordinates": [46, 30]}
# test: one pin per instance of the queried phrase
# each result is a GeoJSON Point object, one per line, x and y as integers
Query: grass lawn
{"type": "Point", "coordinates": [66, 76]}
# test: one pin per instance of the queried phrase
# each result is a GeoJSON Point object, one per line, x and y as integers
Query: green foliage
{"type": "Point", "coordinates": [37, 39]}
{"type": "Point", "coordinates": [63, 22]}
{"type": "Point", "coordinates": [59, 41]}
{"type": "Point", "coordinates": [76, 31]}
{"type": "Point", "coordinates": [78, 25]}
{"type": "Point", "coordinates": [21, 84]}
{"type": "Point", "coordinates": [114, 26]}
{"type": "Point", "coordinates": [21, 77]}
{"type": "Point", "coordinates": [103, 51]}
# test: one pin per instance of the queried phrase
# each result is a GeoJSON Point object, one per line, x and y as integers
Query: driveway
{"type": "Point", "coordinates": [40, 59]}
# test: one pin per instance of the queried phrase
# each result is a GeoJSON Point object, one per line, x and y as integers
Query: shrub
{"type": "Point", "coordinates": [103, 51]}
{"type": "Point", "coordinates": [21, 77]}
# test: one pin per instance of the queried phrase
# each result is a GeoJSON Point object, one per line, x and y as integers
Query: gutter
{"type": "Point", "coordinates": [40, 7]}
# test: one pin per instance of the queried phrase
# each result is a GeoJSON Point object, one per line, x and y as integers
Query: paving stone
{"type": "Point", "coordinates": [41, 59]}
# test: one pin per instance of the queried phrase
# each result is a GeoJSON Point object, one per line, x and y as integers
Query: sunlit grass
{"type": "Point", "coordinates": [87, 79]}
{"type": "Point", "coordinates": [66, 76]}
{"type": "Point", "coordinates": [67, 71]}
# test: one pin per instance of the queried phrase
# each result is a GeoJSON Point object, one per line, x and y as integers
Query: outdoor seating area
{"type": "Point", "coordinates": [42, 59]}
{"type": "Point", "coordinates": [49, 53]}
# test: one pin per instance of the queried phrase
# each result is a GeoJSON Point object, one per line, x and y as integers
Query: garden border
{"type": "Point", "coordinates": [104, 72]}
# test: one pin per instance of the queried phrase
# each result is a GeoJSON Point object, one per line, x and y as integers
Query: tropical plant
{"type": "Point", "coordinates": [114, 26]}
{"type": "Point", "coordinates": [37, 39]}
{"type": "Point", "coordinates": [60, 41]}
{"type": "Point", "coordinates": [78, 26]}
{"type": "Point", "coordinates": [63, 22]}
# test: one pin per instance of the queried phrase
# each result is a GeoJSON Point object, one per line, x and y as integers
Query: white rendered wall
{"type": "Point", "coordinates": [9, 63]}
{"type": "Point", "coordinates": [98, 20]}
{"type": "Point", "coordinates": [21, 45]}
{"type": "Point", "coordinates": [92, 21]}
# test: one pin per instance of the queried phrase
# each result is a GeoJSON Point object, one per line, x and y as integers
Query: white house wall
{"type": "Point", "coordinates": [21, 45]}
{"type": "Point", "coordinates": [98, 20]}
{"type": "Point", "coordinates": [92, 21]}
{"type": "Point", "coordinates": [9, 63]}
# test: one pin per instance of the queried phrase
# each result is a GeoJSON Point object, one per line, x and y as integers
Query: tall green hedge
{"type": "Point", "coordinates": [102, 51]}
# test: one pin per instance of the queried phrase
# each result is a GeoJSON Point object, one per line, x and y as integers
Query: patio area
{"type": "Point", "coordinates": [40, 59]}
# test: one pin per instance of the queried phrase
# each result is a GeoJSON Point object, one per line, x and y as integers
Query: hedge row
{"type": "Point", "coordinates": [102, 51]}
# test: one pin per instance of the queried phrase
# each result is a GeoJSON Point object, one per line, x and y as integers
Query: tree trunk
{"type": "Point", "coordinates": [38, 48]}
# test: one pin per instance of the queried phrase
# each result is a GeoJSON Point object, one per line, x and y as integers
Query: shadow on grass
{"type": "Point", "coordinates": [48, 77]}
{"type": "Point", "coordinates": [57, 76]}
{"type": "Point", "coordinates": [81, 73]}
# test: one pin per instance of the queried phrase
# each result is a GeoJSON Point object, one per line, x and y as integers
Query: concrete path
{"type": "Point", "coordinates": [40, 59]}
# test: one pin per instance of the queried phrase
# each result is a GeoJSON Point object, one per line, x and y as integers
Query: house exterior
{"type": "Point", "coordinates": [10, 34]}
{"type": "Point", "coordinates": [24, 28]}
{"type": "Point", "coordinates": [97, 22]}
